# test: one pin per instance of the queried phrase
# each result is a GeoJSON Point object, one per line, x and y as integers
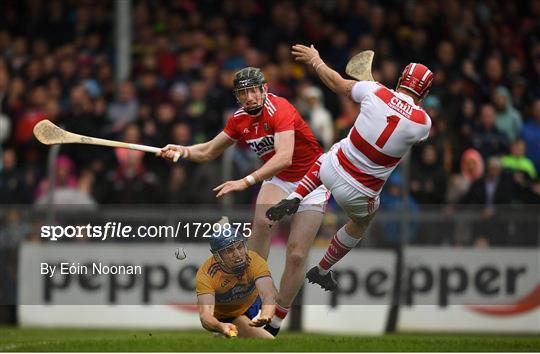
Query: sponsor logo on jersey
{"type": "Point", "coordinates": [401, 107]}
{"type": "Point", "coordinates": [262, 146]}
{"type": "Point", "coordinates": [238, 292]}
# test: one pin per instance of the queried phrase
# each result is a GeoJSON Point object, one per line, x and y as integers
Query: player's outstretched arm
{"type": "Point", "coordinates": [284, 148]}
{"type": "Point", "coordinates": [206, 304]}
{"type": "Point", "coordinates": [200, 152]}
{"type": "Point", "coordinates": [267, 292]}
{"type": "Point", "coordinates": [334, 81]}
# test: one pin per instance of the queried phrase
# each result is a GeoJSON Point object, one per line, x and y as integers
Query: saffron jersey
{"type": "Point", "coordinates": [233, 294]}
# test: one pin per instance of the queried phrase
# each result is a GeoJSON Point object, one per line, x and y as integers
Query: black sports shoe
{"type": "Point", "coordinates": [272, 330]}
{"type": "Point", "coordinates": [327, 282]}
{"type": "Point", "coordinates": [285, 207]}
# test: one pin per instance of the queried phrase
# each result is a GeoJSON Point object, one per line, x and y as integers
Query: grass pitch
{"type": "Point", "coordinates": [70, 340]}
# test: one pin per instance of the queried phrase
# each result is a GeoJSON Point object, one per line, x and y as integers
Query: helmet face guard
{"type": "Point", "coordinates": [246, 79]}
{"type": "Point", "coordinates": [224, 240]}
{"type": "Point", "coordinates": [236, 268]}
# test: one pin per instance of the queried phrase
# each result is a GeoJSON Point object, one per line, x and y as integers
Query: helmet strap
{"type": "Point", "coordinates": [254, 111]}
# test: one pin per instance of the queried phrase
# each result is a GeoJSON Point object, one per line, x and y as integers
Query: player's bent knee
{"type": "Point", "coordinates": [296, 257]}
{"type": "Point", "coordinates": [356, 227]}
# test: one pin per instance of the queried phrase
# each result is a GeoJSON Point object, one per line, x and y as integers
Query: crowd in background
{"type": "Point", "coordinates": [57, 62]}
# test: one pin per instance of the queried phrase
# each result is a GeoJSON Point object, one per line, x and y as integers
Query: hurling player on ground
{"type": "Point", "coordinates": [232, 286]}
{"type": "Point", "coordinates": [276, 132]}
{"type": "Point", "coordinates": [356, 168]}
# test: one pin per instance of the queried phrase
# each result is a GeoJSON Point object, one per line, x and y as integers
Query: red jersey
{"type": "Point", "coordinates": [277, 115]}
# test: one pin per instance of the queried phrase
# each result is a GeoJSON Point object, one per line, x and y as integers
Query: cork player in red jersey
{"type": "Point", "coordinates": [276, 132]}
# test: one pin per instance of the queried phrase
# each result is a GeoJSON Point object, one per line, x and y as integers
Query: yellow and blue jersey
{"type": "Point", "coordinates": [234, 293]}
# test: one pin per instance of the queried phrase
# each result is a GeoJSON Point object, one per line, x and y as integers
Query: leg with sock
{"type": "Point", "coordinates": [343, 241]}
{"type": "Point", "coordinates": [275, 325]}
{"type": "Point", "coordinates": [304, 227]}
{"type": "Point", "coordinates": [339, 246]}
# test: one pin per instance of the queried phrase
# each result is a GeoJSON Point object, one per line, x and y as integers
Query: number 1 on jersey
{"type": "Point", "coordinates": [390, 127]}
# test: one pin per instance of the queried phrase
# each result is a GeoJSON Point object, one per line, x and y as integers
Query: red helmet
{"type": "Point", "coordinates": [416, 78]}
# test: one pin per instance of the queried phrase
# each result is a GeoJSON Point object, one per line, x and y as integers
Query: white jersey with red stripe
{"type": "Point", "coordinates": [388, 125]}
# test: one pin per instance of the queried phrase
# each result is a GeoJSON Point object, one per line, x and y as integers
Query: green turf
{"type": "Point", "coordinates": [65, 340]}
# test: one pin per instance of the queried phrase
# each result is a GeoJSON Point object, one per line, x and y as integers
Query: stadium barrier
{"type": "Point", "coordinates": [161, 296]}
{"type": "Point", "coordinates": [361, 304]}
{"type": "Point", "coordinates": [439, 289]}
{"type": "Point", "coordinates": [471, 290]}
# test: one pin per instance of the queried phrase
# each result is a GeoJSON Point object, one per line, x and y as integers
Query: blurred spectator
{"type": "Point", "coordinates": [165, 116]}
{"type": "Point", "coordinates": [123, 110]}
{"type": "Point", "coordinates": [179, 94]}
{"type": "Point", "coordinates": [197, 108]}
{"type": "Point", "coordinates": [78, 197]}
{"type": "Point", "coordinates": [490, 195]}
{"type": "Point", "coordinates": [4, 84]}
{"type": "Point", "coordinates": [82, 118]}
{"type": "Point", "coordinates": [57, 62]}
{"type": "Point", "coordinates": [64, 177]}
{"type": "Point", "coordinates": [150, 89]}
{"type": "Point", "coordinates": [204, 178]}
{"type": "Point", "coordinates": [428, 179]}
{"type": "Point", "coordinates": [531, 135]}
{"type": "Point", "coordinates": [453, 99]}
{"type": "Point", "coordinates": [508, 119]}
{"type": "Point", "coordinates": [496, 187]}
{"type": "Point", "coordinates": [389, 73]}
{"type": "Point", "coordinates": [319, 118]}
{"type": "Point", "coordinates": [349, 113]}
{"type": "Point", "coordinates": [441, 136]}
{"type": "Point", "coordinates": [130, 183]}
{"type": "Point", "coordinates": [5, 131]}
{"type": "Point", "coordinates": [31, 116]}
{"type": "Point", "coordinates": [486, 138]}
{"type": "Point", "coordinates": [179, 191]}
{"type": "Point", "coordinates": [181, 134]}
{"type": "Point", "coordinates": [493, 74]}
{"type": "Point", "coordinates": [13, 228]}
{"type": "Point", "coordinates": [518, 162]}
{"type": "Point", "coordinates": [472, 169]}
{"type": "Point", "coordinates": [393, 200]}
{"type": "Point", "coordinates": [467, 119]}
{"type": "Point", "coordinates": [13, 186]}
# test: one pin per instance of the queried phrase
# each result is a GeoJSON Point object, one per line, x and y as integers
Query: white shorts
{"type": "Point", "coordinates": [316, 200]}
{"type": "Point", "coordinates": [356, 204]}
